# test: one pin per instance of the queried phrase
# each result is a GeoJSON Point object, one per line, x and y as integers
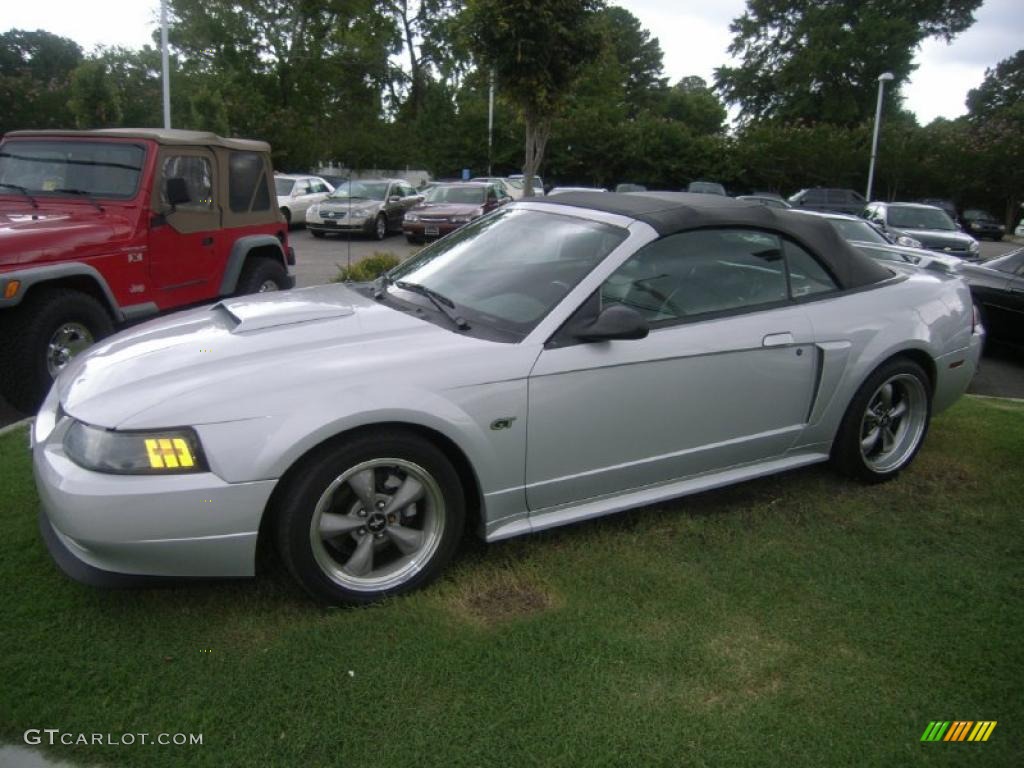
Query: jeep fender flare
{"type": "Point", "coordinates": [240, 251]}
{"type": "Point", "coordinates": [33, 276]}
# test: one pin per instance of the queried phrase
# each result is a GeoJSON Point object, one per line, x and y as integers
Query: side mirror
{"type": "Point", "coordinates": [177, 191]}
{"type": "Point", "coordinates": [394, 199]}
{"type": "Point", "coordinates": [505, 199]}
{"type": "Point", "coordinates": [615, 322]}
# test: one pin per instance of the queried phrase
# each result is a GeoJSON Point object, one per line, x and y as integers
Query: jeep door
{"type": "Point", "coordinates": [725, 377]}
{"type": "Point", "coordinates": [183, 250]}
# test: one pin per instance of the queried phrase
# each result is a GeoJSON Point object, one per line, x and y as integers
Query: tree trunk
{"type": "Point", "coordinates": [537, 132]}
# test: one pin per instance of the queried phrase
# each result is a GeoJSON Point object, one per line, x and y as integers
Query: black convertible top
{"type": "Point", "coordinates": [671, 212]}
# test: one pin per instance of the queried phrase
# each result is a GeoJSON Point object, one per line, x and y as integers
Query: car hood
{"type": "Point", "coordinates": [41, 235]}
{"type": "Point", "coordinates": [936, 238]}
{"type": "Point", "coordinates": [253, 356]}
{"type": "Point", "coordinates": [447, 209]}
{"type": "Point", "coordinates": [361, 206]}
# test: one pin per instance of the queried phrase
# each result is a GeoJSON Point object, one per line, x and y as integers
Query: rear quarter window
{"type": "Point", "coordinates": [247, 183]}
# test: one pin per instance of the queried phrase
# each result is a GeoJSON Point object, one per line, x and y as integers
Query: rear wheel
{"type": "Point", "coordinates": [885, 423]}
{"type": "Point", "coordinates": [42, 336]}
{"type": "Point", "coordinates": [262, 275]}
{"type": "Point", "coordinates": [379, 515]}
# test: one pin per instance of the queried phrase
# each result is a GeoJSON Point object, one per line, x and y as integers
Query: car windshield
{"type": "Point", "coordinates": [457, 195]}
{"type": "Point", "coordinates": [976, 215]}
{"type": "Point", "coordinates": [859, 231]}
{"type": "Point", "coordinates": [104, 169]}
{"type": "Point", "coordinates": [284, 186]}
{"type": "Point", "coordinates": [706, 188]}
{"type": "Point", "coordinates": [361, 190]}
{"type": "Point", "coordinates": [905, 217]}
{"type": "Point", "coordinates": [506, 271]}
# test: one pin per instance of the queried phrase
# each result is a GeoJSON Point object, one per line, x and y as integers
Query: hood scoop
{"type": "Point", "coordinates": [256, 313]}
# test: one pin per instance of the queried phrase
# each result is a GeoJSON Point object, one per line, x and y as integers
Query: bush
{"type": "Point", "coordinates": [368, 269]}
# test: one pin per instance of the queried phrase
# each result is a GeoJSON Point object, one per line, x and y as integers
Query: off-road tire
{"type": "Point", "coordinates": [28, 329]}
{"type": "Point", "coordinates": [260, 271]}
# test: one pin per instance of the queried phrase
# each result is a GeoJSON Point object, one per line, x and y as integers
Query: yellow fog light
{"type": "Point", "coordinates": [169, 453]}
{"type": "Point", "coordinates": [12, 289]}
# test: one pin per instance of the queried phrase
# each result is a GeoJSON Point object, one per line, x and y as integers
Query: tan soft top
{"type": "Point", "coordinates": [159, 135]}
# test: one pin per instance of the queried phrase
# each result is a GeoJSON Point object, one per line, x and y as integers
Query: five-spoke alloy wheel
{"type": "Point", "coordinates": [371, 516]}
{"type": "Point", "coordinates": [885, 423]}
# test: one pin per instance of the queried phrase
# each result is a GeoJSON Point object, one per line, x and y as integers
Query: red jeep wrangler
{"type": "Point", "coordinates": [100, 228]}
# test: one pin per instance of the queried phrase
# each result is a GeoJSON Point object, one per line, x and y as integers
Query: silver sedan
{"type": "Point", "coordinates": [554, 361]}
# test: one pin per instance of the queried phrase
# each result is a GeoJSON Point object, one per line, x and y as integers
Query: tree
{"type": "Point", "coordinates": [637, 53]}
{"type": "Point", "coordinates": [693, 103]}
{"type": "Point", "coordinates": [35, 78]}
{"type": "Point", "coordinates": [94, 101]}
{"type": "Point", "coordinates": [536, 51]}
{"type": "Point", "coordinates": [818, 60]}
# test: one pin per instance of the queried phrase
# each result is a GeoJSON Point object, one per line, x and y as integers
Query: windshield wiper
{"type": "Point", "coordinates": [444, 305]}
{"type": "Point", "coordinates": [82, 193]}
{"type": "Point", "coordinates": [380, 287]}
{"type": "Point", "coordinates": [23, 191]}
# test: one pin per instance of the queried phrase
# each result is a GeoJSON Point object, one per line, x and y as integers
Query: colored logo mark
{"type": "Point", "coordinates": [958, 730]}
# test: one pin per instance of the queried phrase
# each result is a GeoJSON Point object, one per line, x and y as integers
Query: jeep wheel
{"type": "Point", "coordinates": [262, 275]}
{"type": "Point", "coordinates": [45, 333]}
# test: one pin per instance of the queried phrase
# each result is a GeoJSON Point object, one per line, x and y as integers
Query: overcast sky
{"type": "Point", "coordinates": [694, 36]}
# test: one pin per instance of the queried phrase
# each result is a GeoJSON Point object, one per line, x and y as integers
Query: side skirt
{"type": "Point", "coordinates": [598, 507]}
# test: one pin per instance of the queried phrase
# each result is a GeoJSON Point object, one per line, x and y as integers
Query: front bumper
{"type": "Point", "coordinates": [341, 224]}
{"type": "Point", "coordinates": [106, 529]}
{"type": "Point", "coordinates": [429, 228]}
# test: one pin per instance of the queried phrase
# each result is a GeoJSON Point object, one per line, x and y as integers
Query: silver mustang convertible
{"type": "Point", "coordinates": [551, 362]}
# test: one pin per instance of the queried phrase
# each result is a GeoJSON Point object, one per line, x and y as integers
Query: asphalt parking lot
{"type": "Point", "coordinates": [318, 260]}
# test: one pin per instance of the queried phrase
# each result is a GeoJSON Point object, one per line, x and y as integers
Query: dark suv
{"type": "Point", "coordinates": [829, 199]}
{"type": "Point", "coordinates": [983, 224]}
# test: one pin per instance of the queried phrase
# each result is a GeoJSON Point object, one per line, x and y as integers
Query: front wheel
{"type": "Point", "coordinates": [44, 334]}
{"type": "Point", "coordinates": [380, 227]}
{"type": "Point", "coordinates": [378, 515]}
{"type": "Point", "coordinates": [885, 423]}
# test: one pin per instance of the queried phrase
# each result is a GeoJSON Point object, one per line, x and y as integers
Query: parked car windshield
{"type": "Point", "coordinates": [284, 187]}
{"type": "Point", "coordinates": [905, 217]}
{"type": "Point", "coordinates": [99, 169]}
{"type": "Point", "coordinates": [457, 195]}
{"type": "Point", "coordinates": [860, 231]}
{"type": "Point", "coordinates": [973, 214]}
{"type": "Point", "coordinates": [361, 190]}
{"type": "Point", "coordinates": [506, 271]}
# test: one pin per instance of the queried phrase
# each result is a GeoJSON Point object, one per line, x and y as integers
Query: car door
{"type": "Point", "coordinates": [302, 198]}
{"type": "Point", "coordinates": [183, 241]}
{"type": "Point", "coordinates": [725, 377]}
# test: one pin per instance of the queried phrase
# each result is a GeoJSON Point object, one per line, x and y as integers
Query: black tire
{"type": "Point", "coordinates": [28, 329]}
{"type": "Point", "coordinates": [260, 272]}
{"type": "Point", "coordinates": [380, 232]}
{"type": "Point", "coordinates": [305, 486]}
{"type": "Point", "coordinates": [847, 455]}
{"type": "Point", "coordinates": [318, 234]}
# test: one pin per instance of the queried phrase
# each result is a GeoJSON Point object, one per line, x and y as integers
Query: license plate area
{"type": "Point", "coordinates": [430, 229]}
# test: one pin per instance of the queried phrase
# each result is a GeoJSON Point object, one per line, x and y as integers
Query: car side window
{"type": "Point", "coordinates": [248, 188]}
{"type": "Point", "coordinates": [698, 273]}
{"type": "Point", "coordinates": [806, 276]}
{"type": "Point", "coordinates": [198, 176]}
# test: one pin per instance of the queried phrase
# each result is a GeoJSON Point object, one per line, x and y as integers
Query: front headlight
{"type": "Point", "coordinates": [974, 247]}
{"type": "Point", "coordinates": [908, 242]}
{"type": "Point", "coordinates": [163, 452]}
{"type": "Point", "coordinates": [313, 210]}
{"type": "Point", "coordinates": [411, 217]}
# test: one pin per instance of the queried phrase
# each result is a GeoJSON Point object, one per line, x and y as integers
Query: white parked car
{"type": "Point", "coordinates": [295, 194]}
{"type": "Point", "coordinates": [567, 190]}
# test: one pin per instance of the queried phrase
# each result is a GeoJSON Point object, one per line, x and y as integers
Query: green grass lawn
{"type": "Point", "coordinates": [800, 620]}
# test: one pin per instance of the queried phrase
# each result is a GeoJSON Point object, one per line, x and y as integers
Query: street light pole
{"type": "Point", "coordinates": [164, 64]}
{"type": "Point", "coordinates": [882, 80]}
{"type": "Point", "coordinates": [490, 123]}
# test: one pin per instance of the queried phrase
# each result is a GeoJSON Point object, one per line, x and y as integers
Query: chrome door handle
{"type": "Point", "coordinates": [777, 339]}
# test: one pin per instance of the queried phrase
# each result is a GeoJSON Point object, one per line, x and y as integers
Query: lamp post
{"type": "Point", "coordinates": [882, 80]}
{"type": "Point", "coordinates": [164, 64]}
